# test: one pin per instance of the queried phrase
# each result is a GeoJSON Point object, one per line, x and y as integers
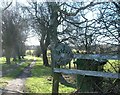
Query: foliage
{"type": "Point", "coordinates": [29, 52]}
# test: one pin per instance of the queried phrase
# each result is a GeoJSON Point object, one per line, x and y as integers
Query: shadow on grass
{"type": "Point", "coordinates": [14, 69]}
{"type": "Point", "coordinates": [12, 72]}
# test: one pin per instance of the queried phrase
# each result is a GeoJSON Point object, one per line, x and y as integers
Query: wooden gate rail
{"type": "Point", "coordinates": [88, 73]}
{"type": "Point", "coordinates": [97, 56]}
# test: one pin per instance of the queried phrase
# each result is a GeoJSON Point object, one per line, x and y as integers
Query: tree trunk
{"type": "Point", "coordinates": [18, 51]}
{"type": "Point", "coordinates": [45, 59]}
{"type": "Point", "coordinates": [7, 55]}
{"type": "Point", "coordinates": [44, 46]}
{"type": "Point", "coordinates": [44, 52]}
{"type": "Point", "coordinates": [8, 60]}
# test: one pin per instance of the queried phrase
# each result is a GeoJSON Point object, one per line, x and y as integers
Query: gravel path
{"type": "Point", "coordinates": [18, 85]}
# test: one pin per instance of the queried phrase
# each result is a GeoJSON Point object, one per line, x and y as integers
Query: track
{"type": "Point", "coordinates": [18, 85]}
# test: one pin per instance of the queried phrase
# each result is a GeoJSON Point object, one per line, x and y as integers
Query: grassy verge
{"type": "Point", "coordinates": [10, 71]}
{"type": "Point", "coordinates": [41, 80]}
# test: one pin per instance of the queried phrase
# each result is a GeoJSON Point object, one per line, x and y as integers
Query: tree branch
{"type": "Point", "coordinates": [7, 6]}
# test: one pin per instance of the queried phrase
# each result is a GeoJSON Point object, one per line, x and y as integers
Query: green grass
{"type": "Point", "coordinates": [13, 70]}
{"type": "Point", "coordinates": [16, 71]}
{"type": "Point", "coordinates": [112, 66]}
{"type": "Point", "coordinates": [41, 80]}
{"type": "Point", "coordinates": [10, 71]}
{"type": "Point", "coordinates": [2, 60]}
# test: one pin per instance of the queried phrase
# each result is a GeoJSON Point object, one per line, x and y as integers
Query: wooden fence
{"type": "Point", "coordinates": [57, 70]}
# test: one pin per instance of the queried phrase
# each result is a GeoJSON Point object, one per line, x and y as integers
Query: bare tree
{"type": "Point", "coordinates": [1, 26]}
{"type": "Point", "coordinates": [13, 28]}
{"type": "Point", "coordinates": [47, 17]}
{"type": "Point", "coordinates": [40, 23]}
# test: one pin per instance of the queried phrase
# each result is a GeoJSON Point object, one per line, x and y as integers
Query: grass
{"type": "Point", "coordinates": [41, 80]}
{"type": "Point", "coordinates": [112, 66]}
{"type": "Point", "coordinates": [10, 71]}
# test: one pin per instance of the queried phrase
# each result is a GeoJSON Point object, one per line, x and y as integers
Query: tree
{"type": "Point", "coordinates": [47, 17]}
{"type": "Point", "coordinates": [7, 29]}
{"type": "Point", "coordinates": [13, 28]}
{"type": "Point", "coordinates": [78, 30]}
{"type": "Point", "coordinates": [6, 7]}
{"type": "Point", "coordinates": [40, 24]}
{"type": "Point", "coordinates": [117, 5]}
{"type": "Point", "coordinates": [109, 23]}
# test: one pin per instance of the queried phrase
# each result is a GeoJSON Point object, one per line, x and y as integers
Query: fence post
{"type": "Point", "coordinates": [69, 65]}
{"type": "Point", "coordinates": [55, 87]}
{"type": "Point", "coordinates": [55, 84]}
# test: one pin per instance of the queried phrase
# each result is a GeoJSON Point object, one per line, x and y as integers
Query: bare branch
{"type": "Point", "coordinates": [7, 6]}
{"type": "Point", "coordinates": [79, 9]}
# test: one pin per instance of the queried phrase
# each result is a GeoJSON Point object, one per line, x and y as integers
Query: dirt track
{"type": "Point", "coordinates": [18, 85]}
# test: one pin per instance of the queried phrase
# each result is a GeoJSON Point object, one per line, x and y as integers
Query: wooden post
{"type": "Point", "coordinates": [55, 88]}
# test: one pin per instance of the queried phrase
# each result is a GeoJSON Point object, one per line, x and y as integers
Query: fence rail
{"type": "Point", "coordinates": [97, 56]}
{"type": "Point", "coordinates": [88, 73]}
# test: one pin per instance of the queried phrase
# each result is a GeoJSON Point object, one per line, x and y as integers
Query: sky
{"type": "Point", "coordinates": [32, 41]}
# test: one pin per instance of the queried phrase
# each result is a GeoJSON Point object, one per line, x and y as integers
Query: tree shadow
{"type": "Point", "coordinates": [15, 69]}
